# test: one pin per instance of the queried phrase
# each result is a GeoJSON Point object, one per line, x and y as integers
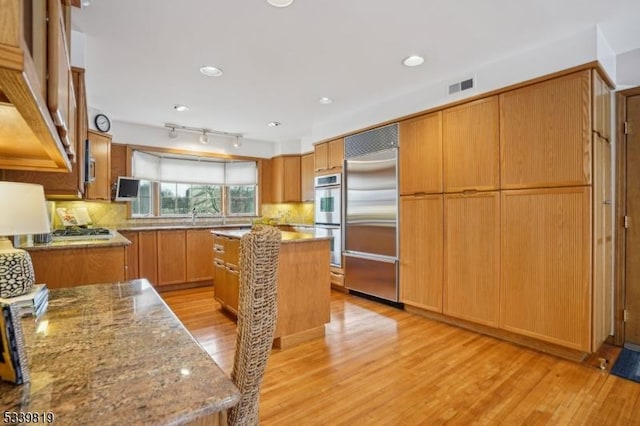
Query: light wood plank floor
{"type": "Point", "coordinates": [378, 365]}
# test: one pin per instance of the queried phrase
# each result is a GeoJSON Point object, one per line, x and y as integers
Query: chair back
{"type": "Point", "coordinates": [257, 309]}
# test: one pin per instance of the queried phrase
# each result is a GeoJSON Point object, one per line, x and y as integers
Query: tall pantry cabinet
{"type": "Point", "coordinates": [520, 212]}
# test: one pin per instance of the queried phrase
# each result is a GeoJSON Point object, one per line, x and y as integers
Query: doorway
{"type": "Point", "coordinates": [627, 324]}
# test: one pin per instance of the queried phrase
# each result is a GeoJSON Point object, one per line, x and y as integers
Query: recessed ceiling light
{"type": "Point", "coordinates": [273, 124]}
{"type": "Point", "coordinates": [210, 71]}
{"type": "Point", "coordinates": [280, 3]}
{"type": "Point", "coordinates": [413, 61]}
{"type": "Point", "coordinates": [181, 108]}
{"type": "Point", "coordinates": [325, 101]}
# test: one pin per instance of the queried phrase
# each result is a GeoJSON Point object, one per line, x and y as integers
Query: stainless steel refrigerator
{"type": "Point", "coordinates": [371, 212]}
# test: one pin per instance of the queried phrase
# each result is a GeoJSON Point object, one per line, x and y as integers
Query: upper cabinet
{"type": "Point", "coordinates": [307, 177]}
{"type": "Point", "coordinates": [601, 107]}
{"type": "Point", "coordinates": [471, 146]}
{"type": "Point", "coordinates": [64, 185]}
{"type": "Point", "coordinates": [286, 179]}
{"type": "Point", "coordinates": [32, 47]}
{"type": "Point", "coordinates": [420, 155]}
{"type": "Point", "coordinates": [329, 156]}
{"type": "Point", "coordinates": [545, 133]}
{"type": "Point", "coordinates": [99, 179]}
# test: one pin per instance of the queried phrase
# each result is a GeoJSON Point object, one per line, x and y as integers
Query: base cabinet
{"type": "Point", "coordinates": [227, 271]}
{"type": "Point", "coordinates": [421, 251]}
{"type": "Point", "coordinates": [472, 257]}
{"type": "Point", "coordinates": [60, 268]}
{"type": "Point", "coordinates": [546, 273]}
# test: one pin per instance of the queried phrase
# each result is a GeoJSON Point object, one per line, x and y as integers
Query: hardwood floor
{"type": "Point", "coordinates": [378, 365]}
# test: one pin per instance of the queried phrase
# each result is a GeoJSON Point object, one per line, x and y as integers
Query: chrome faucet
{"type": "Point", "coordinates": [194, 214]}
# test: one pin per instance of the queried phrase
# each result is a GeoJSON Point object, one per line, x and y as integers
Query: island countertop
{"type": "Point", "coordinates": [116, 354]}
{"type": "Point", "coordinates": [117, 240]}
{"type": "Point", "coordinates": [287, 236]}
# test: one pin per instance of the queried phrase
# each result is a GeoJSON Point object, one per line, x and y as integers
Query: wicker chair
{"type": "Point", "coordinates": [257, 308]}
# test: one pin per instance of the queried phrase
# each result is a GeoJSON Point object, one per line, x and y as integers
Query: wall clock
{"type": "Point", "coordinates": [102, 123]}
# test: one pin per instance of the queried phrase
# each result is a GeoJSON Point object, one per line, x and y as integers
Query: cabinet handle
{"type": "Point", "coordinates": [469, 191]}
{"type": "Point", "coordinates": [606, 202]}
{"type": "Point", "coordinates": [335, 274]}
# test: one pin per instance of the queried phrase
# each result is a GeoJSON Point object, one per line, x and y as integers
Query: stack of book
{"type": "Point", "coordinates": [34, 303]}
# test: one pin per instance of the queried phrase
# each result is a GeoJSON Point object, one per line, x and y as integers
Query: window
{"type": "Point", "coordinates": [175, 185]}
{"type": "Point", "coordinates": [242, 200]}
{"type": "Point", "coordinates": [143, 205]}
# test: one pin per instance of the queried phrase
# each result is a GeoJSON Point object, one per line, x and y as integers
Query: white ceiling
{"type": "Point", "coordinates": [143, 56]}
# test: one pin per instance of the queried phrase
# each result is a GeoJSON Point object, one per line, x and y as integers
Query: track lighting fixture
{"type": "Point", "coordinates": [203, 137]}
{"type": "Point", "coordinates": [203, 132]}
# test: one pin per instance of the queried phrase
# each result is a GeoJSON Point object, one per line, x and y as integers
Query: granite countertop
{"type": "Point", "coordinates": [160, 227]}
{"type": "Point", "coordinates": [116, 241]}
{"type": "Point", "coordinates": [116, 354]}
{"type": "Point", "coordinates": [287, 237]}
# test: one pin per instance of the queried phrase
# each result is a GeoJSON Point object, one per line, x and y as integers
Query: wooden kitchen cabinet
{"type": "Point", "coordinates": [472, 257]}
{"type": "Point", "coordinates": [546, 265]}
{"type": "Point", "coordinates": [99, 185]}
{"type": "Point", "coordinates": [266, 181]}
{"type": "Point", "coordinates": [148, 256]}
{"type": "Point", "coordinates": [172, 257]}
{"type": "Point", "coordinates": [545, 133]}
{"type": "Point", "coordinates": [286, 179]}
{"type": "Point", "coordinates": [307, 176]}
{"type": "Point", "coordinates": [329, 156]}
{"type": "Point", "coordinates": [601, 106]}
{"type": "Point", "coordinates": [471, 146]}
{"type": "Point", "coordinates": [24, 91]}
{"type": "Point", "coordinates": [60, 98]}
{"type": "Point", "coordinates": [421, 251]}
{"type": "Point", "coordinates": [131, 266]}
{"type": "Point", "coordinates": [63, 185]}
{"type": "Point", "coordinates": [227, 276]}
{"type": "Point", "coordinates": [199, 257]}
{"type": "Point", "coordinates": [420, 155]}
{"type": "Point", "coordinates": [79, 266]}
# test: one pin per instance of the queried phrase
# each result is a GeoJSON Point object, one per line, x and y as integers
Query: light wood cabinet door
{"type": "Point", "coordinates": [62, 268]}
{"type": "Point", "coordinates": [421, 251]}
{"type": "Point", "coordinates": [148, 256]}
{"type": "Point", "coordinates": [545, 133]}
{"type": "Point", "coordinates": [266, 181]}
{"type": "Point", "coordinates": [321, 157]}
{"type": "Point", "coordinates": [172, 257]}
{"type": "Point", "coordinates": [602, 242]}
{"type": "Point", "coordinates": [471, 146]}
{"type": "Point", "coordinates": [420, 155]}
{"type": "Point", "coordinates": [335, 155]}
{"type": "Point", "coordinates": [99, 186]}
{"type": "Point", "coordinates": [199, 255]}
{"type": "Point", "coordinates": [220, 281]}
{"type": "Point", "coordinates": [233, 288]}
{"type": "Point", "coordinates": [472, 257]}
{"type": "Point", "coordinates": [546, 265]}
{"type": "Point", "coordinates": [132, 271]}
{"type": "Point", "coordinates": [306, 177]}
{"type": "Point", "coordinates": [59, 81]}
{"type": "Point", "coordinates": [601, 98]}
{"type": "Point", "coordinates": [286, 179]}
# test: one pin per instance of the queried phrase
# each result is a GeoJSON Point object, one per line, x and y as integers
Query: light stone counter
{"type": "Point", "coordinates": [115, 354]}
{"type": "Point", "coordinates": [116, 241]}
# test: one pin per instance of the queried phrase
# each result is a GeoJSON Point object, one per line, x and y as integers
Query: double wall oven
{"type": "Point", "coordinates": [328, 214]}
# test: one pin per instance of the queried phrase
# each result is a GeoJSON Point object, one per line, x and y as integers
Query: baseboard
{"type": "Point", "coordinates": [529, 342]}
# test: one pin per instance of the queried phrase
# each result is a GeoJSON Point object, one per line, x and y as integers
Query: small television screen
{"type": "Point", "coordinates": [127, 188]}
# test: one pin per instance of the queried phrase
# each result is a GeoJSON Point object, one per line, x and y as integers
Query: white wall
{"type": "Point", "coordinates": [521, 65]}
{"type": "Point", "coordinates": [628, 69]}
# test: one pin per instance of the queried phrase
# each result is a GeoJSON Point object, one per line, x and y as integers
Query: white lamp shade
{"type": "Point", "coordinates": [23, 209]}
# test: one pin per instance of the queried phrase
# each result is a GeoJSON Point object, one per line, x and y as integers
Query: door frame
{"type": "Point", "coordinates": [620, 210]}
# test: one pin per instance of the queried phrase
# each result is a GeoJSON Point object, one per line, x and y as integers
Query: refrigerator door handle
{"type": "Point", "coordinates": [369, 256]}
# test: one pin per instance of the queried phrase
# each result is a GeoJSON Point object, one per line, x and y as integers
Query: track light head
{"type": "Point", "coordinates": [237, 143]}
{"type": "Point", "coordinates": [203, 137]}
{"type": "Point", "coordinates": [172, 133]}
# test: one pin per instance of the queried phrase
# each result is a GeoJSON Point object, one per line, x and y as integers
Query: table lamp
{"type": "Point", "coordinates": [23, 211]}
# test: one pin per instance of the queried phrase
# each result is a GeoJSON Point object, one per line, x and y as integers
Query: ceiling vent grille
{"type": "Point", "coordinates": [462, 85]}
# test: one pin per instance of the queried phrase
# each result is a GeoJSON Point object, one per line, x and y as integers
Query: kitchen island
{"type": "Point", "coordinates": [116, 354]}
{"type": "Point", "coordinates": [303, 283]}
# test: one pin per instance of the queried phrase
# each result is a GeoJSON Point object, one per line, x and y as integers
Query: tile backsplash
{"type": "Point", "coordinates": [114, 215]}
